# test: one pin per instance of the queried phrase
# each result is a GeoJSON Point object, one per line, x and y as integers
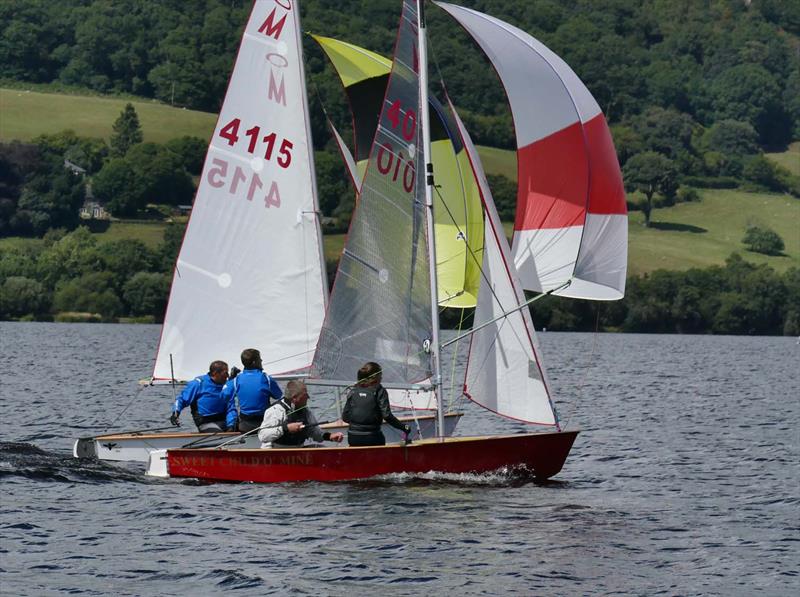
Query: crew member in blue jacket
{"type": "Point", "coordinates": [204, 396]}
{"type": "Point", "coordinates": [248, 394]}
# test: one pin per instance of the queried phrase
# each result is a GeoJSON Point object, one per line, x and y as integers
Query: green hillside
{"type": "Point", "coordinates": [687, 235]}
{"type": "Point", "coordinates": [27, 114]}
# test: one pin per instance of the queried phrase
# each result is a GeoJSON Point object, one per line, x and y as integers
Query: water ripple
{"type": "Point", "coordinates": [684, 481]}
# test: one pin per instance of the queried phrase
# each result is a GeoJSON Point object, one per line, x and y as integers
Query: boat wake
{"type": "Point", "coordinates": [503, 477]}
{"type": "Point", "coordinates": [18, 459]}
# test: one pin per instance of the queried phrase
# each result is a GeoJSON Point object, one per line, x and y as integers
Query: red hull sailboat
{"type": "Point", "coordinates": [384, 305]}
{"type": "Point", "coordinates": [542, 454]}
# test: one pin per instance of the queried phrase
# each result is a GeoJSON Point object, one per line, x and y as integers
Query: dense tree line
{"type": "Point", "coordinates": [44, 183]}
{"type": "Point", "coordinates": [36, 191]}
{"type": "Point", "coordinates": [710, 61]}
{"type": "Point", "coordinates": [74, 272]}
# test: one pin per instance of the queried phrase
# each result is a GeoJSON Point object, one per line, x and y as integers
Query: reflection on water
{"type": "Point", "coordinates": [683, 481]}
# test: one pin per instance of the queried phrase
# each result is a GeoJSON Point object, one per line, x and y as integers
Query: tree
{"type": "Point", "coordinates": [70, 257]}
{"type": "Point", "coordinates": [21, 296]}
{"type": "Point", "coordinates": [160, 175]}
{"type": "Point", "coordinates": [125, 257]}
{"type": "Point", "coordinates": [90, 293]}
{"type": "Point", "coordinates": [192, 151]}
{"type": "Point", "coordinates": [650, 172]}
{"type": "Point", "coordinates": [19, 261]}
{"type": "Point", "coordinates": [333, 184]}
{"type": "Point", "coordinates": [766, 173]}
{"type": "Point", "coordinates": [731, 137]}
{"type": "Point", "coordinates": [86, 152]}
{"type": "Point", "coordinates": [791, 315]}
{"type": "Point", "coordinates": [52, 196]}
{"type": "Point", "coordinates": [666, 131]}
{"type": "Point", "coordinates": [119, 187]}
{"type": "Point", "coordinates": [763, 240]}
{"type": "Point", "coordinates": [16, 161]}
{"type": "Point", "coordinates": [748, 92]}
{"type": "Point", "coordinates": [167, 253]}
{"type": "Point", "coordinates": [127, 131]}
{"type": "Point", "coordinates": [146, 293]}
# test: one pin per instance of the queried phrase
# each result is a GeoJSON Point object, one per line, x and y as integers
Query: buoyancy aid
{"type": "Point", "coordinates": [293, 416]}
{"type": "Point", "coordinates": [210, 394]}
{"type": "Point", "coordinates": [363, 412]}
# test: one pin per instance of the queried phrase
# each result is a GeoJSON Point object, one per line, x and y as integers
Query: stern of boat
{"type": "Point", "coordinates": [85, 447]}
{"type": "Point", "coordinates": [157, 464]}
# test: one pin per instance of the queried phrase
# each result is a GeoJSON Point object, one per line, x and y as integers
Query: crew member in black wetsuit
{"type": "Point", "coordinates": [289, 422]}
{"type": "Point", "coordinates": [367, 407]}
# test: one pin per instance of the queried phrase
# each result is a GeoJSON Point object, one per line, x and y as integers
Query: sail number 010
{"type": "Point", "coordinates": [230, 132]}
{"type": "Point", "coordinates": [387, 159]}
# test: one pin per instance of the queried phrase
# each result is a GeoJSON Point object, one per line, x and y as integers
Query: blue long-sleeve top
{"type": "Point", "coordinates": [254, 389]}
{"type": "Point", "coordinates": [206, 392]}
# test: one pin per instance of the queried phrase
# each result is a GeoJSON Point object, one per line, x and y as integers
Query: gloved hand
{"type": "Point", "coordinates": [173, 418]}
{"type": "Point", "coordinates": [234, 372]}
{"type": "Point", "coordinates": [407, 432]}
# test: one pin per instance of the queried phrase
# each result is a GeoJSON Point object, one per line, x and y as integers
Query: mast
{"type": "Point", "coordinates": [426, 148]}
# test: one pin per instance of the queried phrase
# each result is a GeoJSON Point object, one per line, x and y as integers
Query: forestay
{"type": "Point", "coordinates": [250, 272]}
{"type": "Point", "coordinates": [380, 304]}
{"type": "Point", "coordinates": [504, 372]}
{"type": "Point", "coordinates": [571, 221]}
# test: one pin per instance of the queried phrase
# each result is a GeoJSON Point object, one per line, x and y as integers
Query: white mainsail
{"type": "Point", "coordinates": [251, 272]}
{"type": "Point", "coordinates": [571, 220]}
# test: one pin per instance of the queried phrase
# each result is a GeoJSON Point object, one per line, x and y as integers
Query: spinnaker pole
{"type": "Point", "coordinates": [426, 149]}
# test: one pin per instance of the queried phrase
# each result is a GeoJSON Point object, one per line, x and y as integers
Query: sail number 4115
{"type": "Point", "coordinates": [230, 132]}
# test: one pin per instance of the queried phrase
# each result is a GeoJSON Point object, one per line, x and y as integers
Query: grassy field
{"type": "Point", "coordinates": [27, 114]}
{"type": "Point", "coordinates": [498, 161]}
{"type": "Point", "coordinates": [789, 159]}
{"type": "Point", "coordinates": [704, 233]}
{"type": "Point", "coordinates": [150, 233]}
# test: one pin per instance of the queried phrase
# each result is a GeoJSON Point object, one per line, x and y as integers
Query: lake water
{"type": "Point", "coordinates": [684, 481]}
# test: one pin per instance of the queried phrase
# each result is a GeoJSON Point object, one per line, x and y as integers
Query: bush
{"type": "Point", "coordinates": [763, 172]}
{"type": "Point", "coordinates": [763, 240]}
{"type": "Point", "coordinates": [711, 182]}
{"type": "Point", "coordinates": [687, 194]}
{"type": "Point", "coordinates": [20, 296]}
{"type": "Point", "coordinates": [147, 293]}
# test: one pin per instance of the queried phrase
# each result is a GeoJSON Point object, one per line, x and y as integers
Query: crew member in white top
{"type": "Point", "coordinates": [289, 422]}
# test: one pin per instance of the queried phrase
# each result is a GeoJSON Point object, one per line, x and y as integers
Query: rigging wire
{"type": "Point", "coordinates": [133, 398]}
